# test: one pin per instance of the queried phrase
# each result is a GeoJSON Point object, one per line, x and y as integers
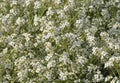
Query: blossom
{"type": "Point", "coordinates": [37, 5]}
{"type": "Point", "coordinates": [20, 21]}
{"type": "Point", "coordinates": [69, 41]}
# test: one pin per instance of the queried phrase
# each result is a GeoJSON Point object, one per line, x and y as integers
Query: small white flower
{"type": "Point", "coordinates": [109, 64]}
{"type": "Point", "coordinates": [12, 44]}
{"type": "Point", "coordinates": [49, 12]}
{"type": "Point", "coordinates": [103, 54]}
{"type": "Point", "coordinates": [94, 50]}
{"type": "Point", "coordinates": [110, 45]}
{"type": "Point", "coordinates": [19, 74]}
{"type": "Point", "coordinates": [20, 21]}
{"type": "Point", "coordinates": [98, 77]}
{"type": "Point", "coordinates": [47, 58]}
{"type": "Point", "coordinates": [91, 40]}
{"type": "Point", "coordinates": [71, 1]}
{"type": "Point", "coordinates": [37, 5]}
{"type": "Point", "coordinates": [8, 77]}
{"type": "Point", "coordinates": [63, 75]}
{"type": "Point", "coordinates": [48, 44]}
{"type": "Point", "coordinates": [114, 80]}
{"type": "Point", "coordinates": [108, 78]}
{"type": "Point", "coordinates": [36, 20]}
{"type": "Point", "coordinates": [117, 46]}
{"type": "Point", "coordinates": [118, 81]}
{"type": "Point", "coordinates": [66, 8]}
{"type": "Point", "coordinates": [5, 50]}
{"type": "Point", "coordinates": [27, 36]}
{"type": "Point", "coordinates": [117, 1]}
{"type": "Point", "coordinates": [27, 2]}
{"type": "Point", "coordinates": [38, 70]}
{"type": "Point", "coordinates": [82, 60]}
{"type": "Point", "coordinates": [5, 18]}
{"type": "Point", "coordinates": [14, 2]}
{"type": "Point", "coordinates": [12, 11]}
{"type": "Point", "coordinates": [51, 64]}
{"type": "Point", "coordinates": [5, 82]}
{"type": "Point", "coordinates": [104, 34]}
{"type": "Point", "coordinates": [48, 75]}
{"type": "Point", "coordinates": [79, 23]}
{"type": "Point", "coordinates": [35, 44]}
{"type": "Point", "coordinates": [58, 2]}
{"type": "Point", "coordinates": [77, 81]}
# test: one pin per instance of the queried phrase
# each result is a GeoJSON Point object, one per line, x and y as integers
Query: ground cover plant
{"type": "Point", "coordinates": [59, 41]}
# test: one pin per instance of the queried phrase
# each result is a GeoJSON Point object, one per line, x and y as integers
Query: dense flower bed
{"type": "Point", "coordinates": [59, 41]}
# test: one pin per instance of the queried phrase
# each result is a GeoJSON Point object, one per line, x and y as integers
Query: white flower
{"type": "Point", "coordinates": [12, 11]}
{"type": "Point", "coordinates": [49, 12]}
{"type": "Point", "coordinates": [118, 81]}
{"type": "Point", "coordinates": [47, 58]}
{"type": "Point", "coordinates": [27, 36]}
{"type": "Point", "coordinates": [108, 78]}
{"type": "Point", "coordinates": [94, 50]}
{"type": "Point", "coordinates": [36, 20]}
{"type": "Point", "coordinates": [19, 74]}
{"type": "Point", "coordinates": [98, 77]}
{"type": "Point", "coordinates": [51, 63]}
{"type": "Point", "coordinates": [61, 14]}
{"type": "Point", "coordinates": [35, 44]}
{"type": "Point", "coordinates": [66, 23]}
{"type": "Point", "coordinates": [71, 1]}
{"type": "Point", "coordinates": [104, 34]}
{"type": "Point", "coordinates": [117, 46]}
{"type": "Point", "coordinates": [117, 1]}
{"type": "Point", "coordinates": [48, 75]}
{"type": "Point", "coordinates": [5, 18]}
{"type": "Point", "coordinates": [12, 44]}
{"type": "Point", "coordinates": [37, 5]}
{"type": "Point", "coordinates": [82, 60]}
{"type": "Point", "coordinates": [27, 2]}
{"type": "Point", "coordinates": [20, 21]}
{"type": "Point", "coordinates": [63, 75]}
{"type": "Point", "coordinates": [31, 55]}
{"type": "Point", "coordinates": [5, 81]}
{"type": "Point", "coordinates": [79, 23]}
{"type": "Point", "coordinates": [48, 46]}
{"type": "Point", "coordinates": [92, 67]}
{"type": "Point", "coordinates": [5, 50]}
{"type": "Point", "coordinates": [91, 40]}
{"type": "Point", "coordinates": [38, 70]}
{"type": "Point", "coordinates": [64, 59]}
{"type": "Point", "coordinates": [8, 77]}
{"type": "Point", "coordinates": [66, 8]}
{"type": "Point", "coordinates": [103, 54]}
{"type": "Point", "coordinates": [114, 80]}
{"type": "Point", "coordinates": [58, 1]}
{"type": "Point", "coordinates": [14, 2]}
{"type": "Point", "coordinates": [109, 64]}
{"type": "Point", "coordinates": [110, 45]}
{"type": "Point", "coordinates": [76, 44]}
{"type": "Point", "coordinates": [77, 81]}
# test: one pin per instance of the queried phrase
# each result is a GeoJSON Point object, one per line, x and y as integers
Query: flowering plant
{"type": "Point", "coordinates": [59, 41]}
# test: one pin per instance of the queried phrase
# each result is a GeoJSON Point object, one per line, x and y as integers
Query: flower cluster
{"type": "Point", "coordinates": [59, 41]}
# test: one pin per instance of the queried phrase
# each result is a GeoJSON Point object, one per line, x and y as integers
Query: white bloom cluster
{"type": "Point", "coordinates": [20, 21]}
{"type": "Point", "coordinates": [98, 77]}
{"type": "Point", "coordinates": [113, 60]}
{"type": "Point", "coordinates": [37, 4]}
{"type": "Point", "coordinates": [59, 41]}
